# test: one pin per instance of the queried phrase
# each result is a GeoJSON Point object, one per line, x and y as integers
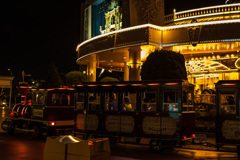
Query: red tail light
{"type": "Point", "coordinates": [193, 135]}
{"type": "Point", "coordinates": [90, 143]}
{"type": "Point", "coordinates": [52, 123]}
{"type": "Point", "coordinates": [184, 137]}
{"type": "Point", "coordinates": [11, 114]}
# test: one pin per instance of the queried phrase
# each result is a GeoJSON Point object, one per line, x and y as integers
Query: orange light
{"type": "Point", "coordinates": [229, 84]}
{"type": "Point", "coordinates": [171, 83]}
{"type": "Point", "coordinates": [52, 123]}
{"type": "Point", "coordinates": [153, 84]}
{"type": "Point", "coordinates": [106, 85]}
{"type": "Point", "coordinates": [92, 85]}
{"type": "Point", "coordinates": [121, 85]}
{"type": "Point", "coordinates": [137, 84]}
{"type": "Point", "coordinates": [90, 143]}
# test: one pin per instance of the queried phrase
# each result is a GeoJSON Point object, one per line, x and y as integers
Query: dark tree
{"type": "Point", "coordinates": [164, 64]}
{"type": "Point", "coordinates": [109, 79]}
{"type": "Point", "coordinates": [53, 78]}
{"type": "Point", "coordinates": [75, 78]}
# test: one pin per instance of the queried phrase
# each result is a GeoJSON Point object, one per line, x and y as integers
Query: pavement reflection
{"type": "Point", "coordinates": [4, 112]}
{"type": "Point", "coordinates": [213, 155]}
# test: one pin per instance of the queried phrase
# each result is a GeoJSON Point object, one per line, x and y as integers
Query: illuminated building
{"type": "Point", "coordinates": [6, 83]}
{"type": "Point", "coordinates": [120, 34]}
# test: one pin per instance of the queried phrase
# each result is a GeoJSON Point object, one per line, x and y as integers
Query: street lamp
{"type": "Point", "coordinates": [10, 71]}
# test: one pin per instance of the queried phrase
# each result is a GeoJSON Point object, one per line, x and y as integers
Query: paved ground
{"type": "Point", "coordinates": [209, 144]}
{"type": "Point", "coordinates": [4, 112]}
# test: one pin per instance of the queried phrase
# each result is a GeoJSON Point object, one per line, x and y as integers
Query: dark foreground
{"type": "Point", "coordinates": [21, 147]}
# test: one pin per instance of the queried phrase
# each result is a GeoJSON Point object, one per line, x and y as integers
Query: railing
{"type": "Point", "coordinates": [203, 12]}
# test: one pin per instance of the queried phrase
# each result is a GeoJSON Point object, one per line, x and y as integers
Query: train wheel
{"type": "Point", "coordinates": [11, 128]}
{"type": "Point", "coordinates": [26, 126]}
{"type": "Point", "coordinates": [238, 150]}
{"type": "Point", "coordinates": [156, 146]}
{"type": "Point", "coordinates": [36, 132]}
{"type": "Point", "coordinates": [59, 132]}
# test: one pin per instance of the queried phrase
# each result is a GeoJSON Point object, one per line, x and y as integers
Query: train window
{"type": "Point", "coordinates": [111, 101]}
{"type": "Point", "coordinates": [228, 105]}
{"type": "Point", "coordinates": [60, 99]}
{"type": "Point", "coordinates": [38, 98]}
{"type": "Point", "coordinates": [80, 101]}
{"type": "Point", "coordinates": [187, 101]}
{"type": "Point", "coordinates": [149, 101]}
{"type": "Point", "coordinates": [93, 101]}
{"type": "Point", "coordinates": [170, 103]}
{"type": "Point", "coordinates": [129, 103]}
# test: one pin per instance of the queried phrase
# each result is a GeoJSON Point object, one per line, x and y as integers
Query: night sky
{"type": "Point", "coordinates": [35, 32]}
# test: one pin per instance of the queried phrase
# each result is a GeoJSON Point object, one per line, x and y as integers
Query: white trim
{"type": "Point", "coordinates": [199, 9]}
{"type": "Point", "coordinates": [206, 15]}
{"type": "Point", "coordinates": [157, 27]}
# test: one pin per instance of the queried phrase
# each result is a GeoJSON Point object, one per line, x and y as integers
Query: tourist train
{"type": "Point", "coordinates": [162, 113]}
{"type": "Point", "coordinates": [46, 112]}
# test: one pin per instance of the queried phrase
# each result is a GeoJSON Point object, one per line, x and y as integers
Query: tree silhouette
{"type": "Point", "coordinates": [109, 79]}
{"type": "Point", "coordinates": [53, 78]}
{"type": "Point", "coordinates": [164, 64]}
{"type": "Point", "coordinates": [75, 78]}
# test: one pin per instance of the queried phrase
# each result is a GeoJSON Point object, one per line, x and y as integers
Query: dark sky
{"type": "Point", "coordinates": [35, 32]}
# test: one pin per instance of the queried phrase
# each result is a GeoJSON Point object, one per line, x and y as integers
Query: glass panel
{"type": "Point", "coordinates": [187, 101]}
{"type": "Point", "coordinates": [228, 105]}
{"type": "Point", "coordinates": [111, 101]}
{"type": "Point", "coordinates": [61, 99]}
{"type": "Point", "coordinates": [80, 101]}
{"type": "Point", "coordinates": [94, 101]}
{"type": "Point", "coordinates": [149, 101]}
{"type": "Point", "coordinates": [129, 103]}
{"type": "Point", "coordinates": [38, 98]}
{"type": "Point", "coordinates": [170, 103]}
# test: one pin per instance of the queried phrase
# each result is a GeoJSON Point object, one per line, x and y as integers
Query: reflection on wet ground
{"type": "Point", "coordinates": [4, 112]}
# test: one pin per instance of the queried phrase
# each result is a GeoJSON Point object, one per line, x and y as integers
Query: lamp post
{"type": "Point", "coordinates": [24, 75]}
{"type": "Point", "coordinates": [9, 69]}
{"type": "Point", "coordinates": [10, 94]}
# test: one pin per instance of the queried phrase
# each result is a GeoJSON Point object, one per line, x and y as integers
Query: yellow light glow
{"type": "Point", "coordinates": [159, 28]}
{"type": "Point", "coordinates": [211, 7]}
{"type": "Point", "coordinates": [205, 15]}
{"type": "Point", "coordinates": [145, 50]}
{"type": "Point", "coordinates": [73, 139]}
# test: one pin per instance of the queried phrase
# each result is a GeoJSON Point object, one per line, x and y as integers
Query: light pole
{"type": "Point", "coordinates": [24, 75]}
{"type": "Point", "coordinates": [9, 69]}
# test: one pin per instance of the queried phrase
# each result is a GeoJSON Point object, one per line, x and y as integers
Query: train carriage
{"type": "Point", "coordinates": [161, 111]}
{"type": "Point", "coordinates": [228, 113]}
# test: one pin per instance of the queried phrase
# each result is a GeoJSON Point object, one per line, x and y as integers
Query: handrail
{"type": "Point", "coordinates": [203, 12]}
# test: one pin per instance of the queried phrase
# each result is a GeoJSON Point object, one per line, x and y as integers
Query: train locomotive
{"type": "Point", "coordinates": [49, 112]}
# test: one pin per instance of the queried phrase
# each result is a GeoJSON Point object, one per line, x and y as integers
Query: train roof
{"type": "Point", "coordinates": [228, 83]}
{"type": "Point", "coordinates": [137, 83]}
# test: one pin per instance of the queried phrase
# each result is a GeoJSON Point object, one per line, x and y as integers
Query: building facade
{"type": "Point", "coordinates": [120, 34]}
